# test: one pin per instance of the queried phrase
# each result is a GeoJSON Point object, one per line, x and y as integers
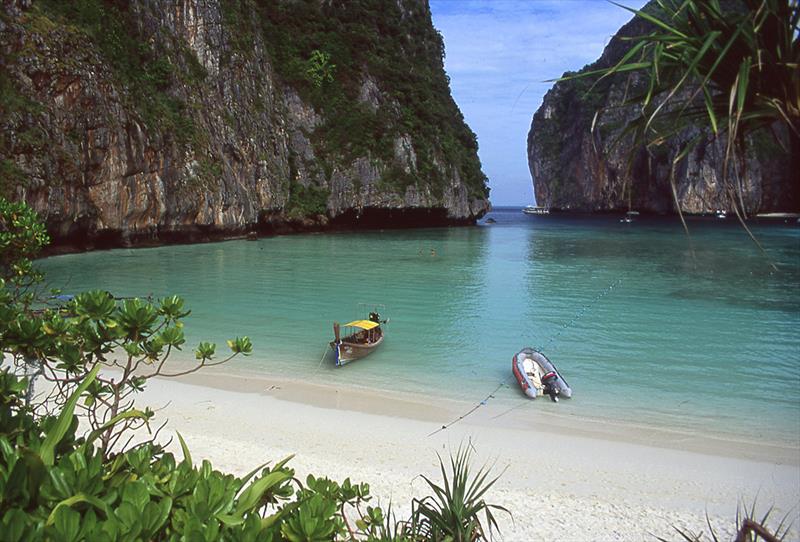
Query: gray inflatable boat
{"type": "Point", "coordinates": [537, 376]}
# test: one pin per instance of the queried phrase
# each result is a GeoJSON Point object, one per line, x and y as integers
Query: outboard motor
{"type": "Point", "coordinates": [549, 381]}
{"type": "Point", "coordinates": [375, 317]}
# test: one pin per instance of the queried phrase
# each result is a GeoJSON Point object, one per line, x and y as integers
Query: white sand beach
{"type": "Point", "coordinates": [561, 480]}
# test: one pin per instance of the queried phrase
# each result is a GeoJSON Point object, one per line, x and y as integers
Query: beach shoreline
{"type": "Point", "coordinates": [581, 484]}
{"type": "Point", "coordinates": [523, 415]}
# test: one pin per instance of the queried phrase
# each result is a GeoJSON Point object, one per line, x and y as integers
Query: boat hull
{"type": "Point", "coordinates": [525, 380]}
{"type": "Point", "coordinates": [344, 351]}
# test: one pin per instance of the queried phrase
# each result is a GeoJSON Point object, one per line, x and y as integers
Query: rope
{"type": "Point", "coordinates": [473, 409]}
{"type": "Point", "coordinates": [515, 407]}
{"type": "Point", "coordinates": [580, 313]}
{"type": "Point", "coordinates": [325, 353]}
{"type": "Point", "coordinates": [575, 318]}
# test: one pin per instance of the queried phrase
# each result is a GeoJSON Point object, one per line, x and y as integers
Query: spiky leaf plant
{"type": "Point", "coordinates": [457, 510]}
{"type": "Point", "coordinates": [741, 58]}
{"type": "Point", "coordinates": [731, 67]}
{"type": "Point", "coordinates": [749, 528]}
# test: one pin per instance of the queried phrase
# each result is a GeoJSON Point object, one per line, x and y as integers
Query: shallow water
{"type": "Point", "coordinates": [649, 328]}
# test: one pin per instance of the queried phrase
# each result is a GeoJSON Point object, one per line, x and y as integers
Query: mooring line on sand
{"type": "Point", "coordinates": [515, 407]}
{"type": "Point", "coordinates": [473, 409]}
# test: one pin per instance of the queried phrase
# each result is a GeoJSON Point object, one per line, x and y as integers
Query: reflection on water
{"type": "Point", "coordinates": [698, 335]}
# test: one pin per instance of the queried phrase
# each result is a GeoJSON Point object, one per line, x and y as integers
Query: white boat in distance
{"type": "Point", "coordinates": [535, 210]}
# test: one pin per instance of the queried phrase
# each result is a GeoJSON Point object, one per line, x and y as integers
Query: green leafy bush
{"type": "Point", "coordinates": [22, 236]}
{"type": "Point", "coordinates": [319, 68]}
{"type": "Point", "coordinates": [56, 486]}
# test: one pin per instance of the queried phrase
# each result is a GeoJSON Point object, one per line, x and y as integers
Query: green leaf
{"type": "Point", "coordinates": [255, 491]}
{"type": "Point", "coordinates": [67, 523]}
{"type": "Point", "coordinates": [241, 345]}
{"type": "Point", "coordinates": [205, 351]}
{"type": "Point", "coordinates": [187, 456]}
{"type": "Point", "coordinates": [712, 116]}
{"type": "Point", "coordinates": [741, 89]}
{"type": "Point", "coordinates": [78, 498]}
{"type": "Point", "coordinates": [230, 520]}
{"type": "Point", "coordinates": [64, 421]}
{"type": "Point", "coordinates": [658, 22]}
{"type": "Point", "coordinates": [13, 524]}
{"type": "Point", "coordinates": [136, 493]}
{"type": "Point", "coordinates": [155, 515]}
{"type": "Point", "coordinates": [127, 415]}
{"type": "Point", "coordinates": [172, 308]}
{"type": "Point", "coordinates": [127, 513]}
{"type": "Point", "coordinates": [172, 336]}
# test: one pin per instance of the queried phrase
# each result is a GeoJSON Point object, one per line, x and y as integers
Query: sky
{"type": "Point", "coordinates": [499, 53]}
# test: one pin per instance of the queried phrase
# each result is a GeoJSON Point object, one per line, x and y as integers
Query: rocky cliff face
{"type": "Point", "coordinates": [159, 120]}
{"type": "Point", "coordinates": [575, 169]}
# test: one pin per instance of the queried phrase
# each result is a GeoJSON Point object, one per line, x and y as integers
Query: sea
{"type": "Point", "coordinates": [697, 334]}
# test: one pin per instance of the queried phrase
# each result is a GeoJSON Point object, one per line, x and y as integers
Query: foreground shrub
{"type": "Point", "coordinates": [58, 487]}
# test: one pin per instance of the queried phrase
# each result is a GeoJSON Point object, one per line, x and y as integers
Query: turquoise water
{"type": "Point", "coordinates": [647, 327]}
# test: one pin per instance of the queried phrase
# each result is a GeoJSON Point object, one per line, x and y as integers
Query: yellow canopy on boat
{"type": "Point", "coordinates": [363, 324]}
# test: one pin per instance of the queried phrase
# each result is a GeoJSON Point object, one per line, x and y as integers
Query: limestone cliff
{"type": "Point", "coordinates": [159, 120]}
{"type": "Point", "coordinates": [575, 169]}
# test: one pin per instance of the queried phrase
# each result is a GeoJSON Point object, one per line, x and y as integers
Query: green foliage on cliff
{"type": "Point", "coordinates": [319, 69]}
{"type": "Point", "coordinates": [306, 200]}
{"type": "Point", "coordinates": [13, 107]}
{"type": "Point", "coordinates": [146, 73]}
{"type": "Point", "coordinates": [399, 50]}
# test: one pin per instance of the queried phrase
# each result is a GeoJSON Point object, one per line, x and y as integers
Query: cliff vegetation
{"type": "Point", "coordinates": [152, 121]}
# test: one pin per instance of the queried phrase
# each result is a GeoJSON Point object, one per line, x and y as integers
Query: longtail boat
{"type": "Point", "coordinates": [356, 339]}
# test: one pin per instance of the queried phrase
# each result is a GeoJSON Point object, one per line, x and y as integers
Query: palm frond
{"type": "Point", "coordinates": [730, 72]}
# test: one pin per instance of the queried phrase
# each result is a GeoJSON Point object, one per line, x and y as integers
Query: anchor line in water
{"type": "Point", "coordinates": [577, 317]}
{"type": "Point", "coordinates": [473, 409]}
{"type": "Point", "coordinates": [325, 353]}
{"type": "Point", "coordinates": [580, 313]}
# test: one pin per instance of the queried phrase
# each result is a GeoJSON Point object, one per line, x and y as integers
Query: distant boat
{"type": "Point", "coordinates": [721, 213]}
{"type": "Point", "coordinates": [537, 376]}
{"type": "Point", "coordinates": [359, 338]}
{"type": "Point", "coordinates": [535, 210]}
{"type": "Point", "coordinates": [778, 215]}
{"type": "Point", "coordinates": [629, 217]}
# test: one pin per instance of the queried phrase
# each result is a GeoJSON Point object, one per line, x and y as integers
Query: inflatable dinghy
{"type": "Point", "coordinates": [537, 376]}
